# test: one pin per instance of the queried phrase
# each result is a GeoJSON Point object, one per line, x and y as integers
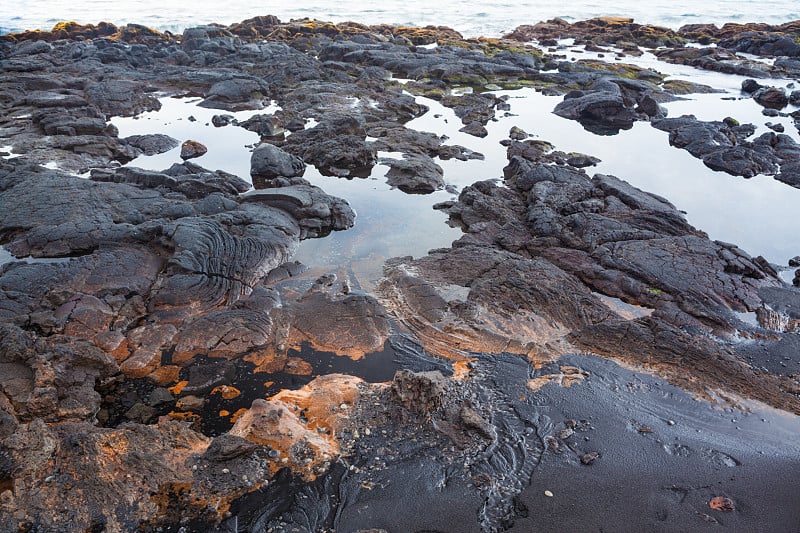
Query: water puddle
{"type": "Point", "coordinates": [624, 309]}
{"type": "Point", "coordinates": [228, 146]}
{"type": "Point", "coordinates": [6, 152]}
{"type": "Point", "coordinates": [219, 411]}
{"type": "Point", "coordinates": [389, 223]}
{"type": "Point", "coordinates": [5, 256]}
{"type": "Point", "coordinates": [8, 257]}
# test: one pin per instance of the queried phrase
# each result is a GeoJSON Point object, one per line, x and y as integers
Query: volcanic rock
{"type": "Point", "coordinates": [771, 97]}
{"type": "Point", "coordinates": [192, 149]}
{"type": "Point", "coordinates": [722, 146]}
{"type": "Point", "coordinates": [600, 112]}
{"type": "Point", "coordinates": [269, 162]}
{"type": "Point", "coordinates": [152, 144]}
{"type": "Point", "coordinates": [336, 146]}
{"type": "Point", "coordinates": [414, 175]}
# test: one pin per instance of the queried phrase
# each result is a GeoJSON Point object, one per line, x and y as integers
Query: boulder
{"type": "Point", "coordinates": [337, 146]}
{"type": "Point", "coordinates": [269, 162]}
{"type": "Point", "coordinates": [414, 175]}
{"type": "Point", "coordinates": [771, 97]}
{"type": "Point", "coordinates": [264, 125]}
{"type": "Point", "coordinates": [236, 94]}
{"type": "Point", "coordinates": [724, 146]}
{"type": "Point", "coordinates": [601, 112]}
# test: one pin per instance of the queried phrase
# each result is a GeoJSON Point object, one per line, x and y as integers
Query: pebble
{"type": "Point", "coordinates": [589, 458]}
{"type": "Point", "coordinates": [226, 471]}
{"type": "Point", "coordinates": [548, 494]}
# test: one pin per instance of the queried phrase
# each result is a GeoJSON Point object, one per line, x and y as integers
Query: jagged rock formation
{"type": "Point", "coordinates": [537, 252]}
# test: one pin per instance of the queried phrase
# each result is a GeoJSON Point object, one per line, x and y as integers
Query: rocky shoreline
{"type": "Point", "coordinates": [141, 302]}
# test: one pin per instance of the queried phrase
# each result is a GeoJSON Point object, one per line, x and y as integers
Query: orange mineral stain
{"type": "Point", "coordinates": [227, 392]}
{"type": "Point", "coordinates": [178, 387]}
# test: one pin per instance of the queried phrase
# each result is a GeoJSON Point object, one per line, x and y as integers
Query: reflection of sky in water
{"type": "Point", "coordinates": [389, 223]}
{"type": "Point", "coordinates": [758, 214]}
{"type": "Point", "coordinates": [5, 256]}
{"type": "Point", "coordinates": [226, 146]}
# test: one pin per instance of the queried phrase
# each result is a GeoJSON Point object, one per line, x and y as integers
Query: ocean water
{"type": "Point", "coordinates": [470, 18]}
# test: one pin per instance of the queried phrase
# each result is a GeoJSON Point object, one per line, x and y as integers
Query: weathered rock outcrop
{"type": "Point", "coordinates": [540, 253]}
{"type": "Point", "coordinates": [178, 244]}
{"type": "Point", "coordinates": [724, 146]}
{"type": "Point", "coordinates": [716, 60]}
{"type": "Point", "coordinates": [64, 475]}
{"type": "Point", "coordinates": [608, 31]}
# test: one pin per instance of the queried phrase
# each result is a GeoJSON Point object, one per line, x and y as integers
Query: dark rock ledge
{"type": "Point", "coordinates": [540, 252]}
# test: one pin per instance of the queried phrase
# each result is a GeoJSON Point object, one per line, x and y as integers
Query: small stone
{"type": "Point", "coordinates": [140, 413]}
{"type": "Point", "coordinates": [367, 432]}
{"type": "Point", "coordinates": [517, 134]}
{"type": "Point", "coordinates": [548, 494]}
{"type": "Point", "coordinates": [226, 471]}
{"type": "Point", "coordinates": [221, 120]}
{"type": "Point", "coordinates": [720, 503]}
{"type": "Point", "coordinates": [589, 458]}
{"type": "Point", "coordinates": [191, 149]}
{"type": "Point", "coordinates": [190, 403]}
{"type": "Point", "coordinates": [160, 396]}
{"type": "Point", "coordinates": [565, 433]}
